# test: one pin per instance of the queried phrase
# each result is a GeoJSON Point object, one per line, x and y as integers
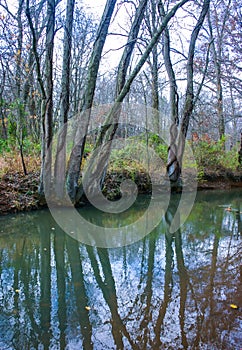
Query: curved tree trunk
{"type": "Point", "coordinates": [173, 168]}
{"type": "Point", "coordinates": [189, 98]}
{"type": "Point", "coordinates": [97, 166]}
{"type": "Point", "coordinates": [176, 149]}
{"type": "Point", "coordinates": [107, 133]}
{"type": "Point", "coordinates": [78, 149]}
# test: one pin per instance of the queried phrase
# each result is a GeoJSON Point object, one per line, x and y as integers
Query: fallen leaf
{"type": "Point", "coordinates": [17, 290]}
{"type": "Point", "coordinates": [87, 308]}
{"type": "Point", "coordinates": [233, 306]}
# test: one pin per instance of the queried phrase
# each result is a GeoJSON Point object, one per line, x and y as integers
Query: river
{"type": "Point", "coordinates": [164, 291]}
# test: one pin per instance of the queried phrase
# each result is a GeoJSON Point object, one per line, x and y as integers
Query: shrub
{"type": "Point", "coordinates": [213, 155]}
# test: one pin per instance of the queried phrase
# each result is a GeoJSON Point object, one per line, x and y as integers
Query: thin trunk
{"type": "Point", "coordinates": [217, 56]}
{"type": "Point", "coordinates": [151, 23]}
{"type": "Point", "coordinates": [22, 158]}
{"type": "Point", "coordinates": [21, 107]}
{"type": "Point", "coordinates": [189, 98]}
{"type": "Point", "coordinates": [240, 151]}
{"type": "Point", "coordinates": [154, 73]}
{"type": "Point", "coordinates": [4, 133]}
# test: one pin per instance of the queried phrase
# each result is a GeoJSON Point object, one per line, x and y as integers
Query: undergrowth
{"type": "Point", "coordinates": [10, 159]}
{"type": "Point", "coordinates": [136, 156]}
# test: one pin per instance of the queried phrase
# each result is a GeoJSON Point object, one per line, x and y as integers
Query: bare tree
{"type": "Point", "coordinates": [60, 163]}
{"type": "Point", "coordinates": [46, 87]}
{"type": "Point", "coordinates": [217, 46]}
{"type": "Point", "coordinates": [87, 99]}
{"type": "Point", "coordinates": [96, 167]}
{"type": "Point", "coordinates": [175, 155]}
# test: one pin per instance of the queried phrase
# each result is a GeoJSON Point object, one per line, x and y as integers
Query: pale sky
{"type": "Point", "coordinates": [96, 6]}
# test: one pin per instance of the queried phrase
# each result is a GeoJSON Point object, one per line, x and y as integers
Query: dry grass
{"type": "Point", "coordinates": [11, 163]}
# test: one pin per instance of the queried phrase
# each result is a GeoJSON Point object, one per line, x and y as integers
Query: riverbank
{"type": "Point", "coordinates": [20, 193]}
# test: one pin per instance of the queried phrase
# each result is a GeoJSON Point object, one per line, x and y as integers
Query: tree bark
{"type": "Point", "coordinates": [107, 133]}
{"type": "Point", "coordinates": [176, 166]}
{"type": "Point", "coordinates": [20, 105]}
{"type": "Point", "coordinates": [87, 99]}
{"type": "Point", "coordinates": [173, 168]}
{"type": "Point", "coordinates": [217, 58]}
{"type": "Point", "coordinates": [73, 189]}
{"type": "Point", "coordinates": [47, 102]}
{"type": "Point", "coordinates": [98, 166]}
{"type": "Point", "coordinates": [240, 150]}
{"type": "Point", "coordinates": [60, 162]}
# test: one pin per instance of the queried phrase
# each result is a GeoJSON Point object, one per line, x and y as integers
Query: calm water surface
{"type": "Point", "coordinates": [163, 292]}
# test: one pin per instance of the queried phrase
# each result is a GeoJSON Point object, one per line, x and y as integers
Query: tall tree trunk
{"type": "Point", "coordinates": [20, 105]}
{"type": "Point", "coordinates": [217, 51]}
{"type": "Point", "coordinates": [4, 133]}
{"type": "Point", "coordinates": [105, 137]}
{"type": "Point", "coordinates": [240, 150]}
{"type": "Point", "coordinates": [47, 102]}
{"type": "Point", "coordinates": [78, 149]}
{"type": "Point", "coordinates": [189, 98]}
{"type": "Point", "coordinates": [97, 166]}
{"type": "Point", "coordinates": [173, 168]}
{"type": "Point", "coordinates": [60, 163]}
{"type": "Point", "coordinates": [175, 165]}
{"type": "Point", "coordinates": [154, 70]}
{"type": "Point", "coordinates": [219, 89]}
{"type": "Point", "coordinates": [46, 88]}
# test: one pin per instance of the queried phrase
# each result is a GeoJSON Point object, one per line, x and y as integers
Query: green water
{"type": "Point", "coordinates": [163, 292]}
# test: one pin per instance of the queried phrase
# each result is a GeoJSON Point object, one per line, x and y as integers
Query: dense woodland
{"type": "Point", "coordinates": [60, 59]}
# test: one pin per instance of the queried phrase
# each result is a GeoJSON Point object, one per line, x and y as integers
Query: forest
{"type": "Point", "coordinates": [92, 95]}
{"type": "Point", "coordinates": [121, 122]}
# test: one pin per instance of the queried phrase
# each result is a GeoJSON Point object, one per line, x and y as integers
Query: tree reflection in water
{"type": "Point", "coordinates": [168, 291]}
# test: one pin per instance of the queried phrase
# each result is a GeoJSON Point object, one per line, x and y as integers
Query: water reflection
{"type": "Point", "coordinates": [168, 291]}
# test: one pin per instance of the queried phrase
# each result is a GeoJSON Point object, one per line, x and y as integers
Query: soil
{"type": "Point", "coordinates": [20, 193]}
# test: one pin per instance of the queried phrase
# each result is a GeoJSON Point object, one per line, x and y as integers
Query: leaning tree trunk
{"type": "Point", "coordinates": [176, 164]}
{"type": "Point", "coordinates": [106, 135]}
{"type": "Point", "coordinates": [76, 156]}
{"type": "Point", "coordinates": [97, 166]}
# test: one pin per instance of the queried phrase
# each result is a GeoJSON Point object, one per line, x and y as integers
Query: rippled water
{"type": "Point", "coordinates": [163, 292]}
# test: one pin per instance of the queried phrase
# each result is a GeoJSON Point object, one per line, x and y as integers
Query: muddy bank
{"type": "Point", "coordinates": [20, 193]}
{"type": "Point", "coordinates": [220, 179]}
